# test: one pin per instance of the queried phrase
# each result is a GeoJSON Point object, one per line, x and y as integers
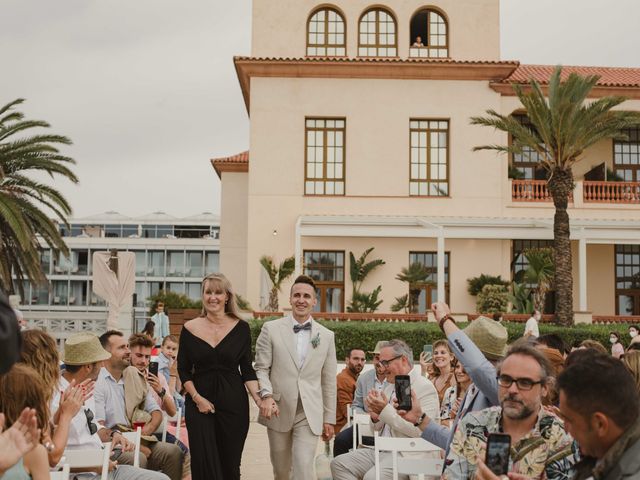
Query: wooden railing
{"type": "Point", "coordinates": [630, 319]}
{"type": "Point", "coordinates": [530, 191]}
{"type": "Point", "coordinates": [611, 192]}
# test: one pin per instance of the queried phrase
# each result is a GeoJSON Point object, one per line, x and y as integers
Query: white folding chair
{"type": "Point", "coordinates": [61, 474]}
{"type": "Point", "coordinates": [361, 427]}
{"type": "Point", "coordinates": [165, 423]}
{"type": "Point", "coordinates": [349, 415]}
{"type": "Point", "coordinates": [135, 438]}
{"type": "Point", "coordinates": [89, 458]}
{"type": "Point", "coordinates": [422, 467]}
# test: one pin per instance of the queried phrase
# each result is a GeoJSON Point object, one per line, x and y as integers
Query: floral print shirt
{"type": "Point", "coordinates": [547, 452]}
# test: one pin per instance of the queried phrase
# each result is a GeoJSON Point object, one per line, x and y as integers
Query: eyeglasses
{"type": "Point", "coordinates": [93, 428]}
{"type": "Point", "coordinates": [506, 381]}
{"type": "Point", "coordinates": [385, 363]}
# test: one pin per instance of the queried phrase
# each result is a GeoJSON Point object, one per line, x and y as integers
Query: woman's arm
{"type": "Point", "coordinates": [253, 388]}
{"type": "Point", "coordinates": [36, 463]}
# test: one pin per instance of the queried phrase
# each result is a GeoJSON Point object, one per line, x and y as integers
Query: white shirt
{"type": "Point", "coordinates": [303, 338]}
{"type": "Point", "coordinates": [79, 434]}
{"type": "Point", "coordinates": [532, 327]}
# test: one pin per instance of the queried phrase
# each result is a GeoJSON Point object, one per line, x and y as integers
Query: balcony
{"type": "Point", "coordinates": [611, 192]}
{"type": "Point", "coordinates": [530, 191]}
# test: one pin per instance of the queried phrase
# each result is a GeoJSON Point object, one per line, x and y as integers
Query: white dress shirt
{"type": "Point", "coordinates": [303, 337]}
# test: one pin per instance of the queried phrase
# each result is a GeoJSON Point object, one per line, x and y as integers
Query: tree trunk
{"type": "Point", "coordinates": [560, 186]}
{"type": "Point", "coordinates": [273, 300]}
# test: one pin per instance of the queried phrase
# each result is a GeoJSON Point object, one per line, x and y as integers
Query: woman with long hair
{"type": "Point", "coordinates": [631, 360]}
{"type": "Point", "coordinates": [454, 394]}
{"type": "Point", "coordinates": [440, 370]}
{"type": "Point", "coordinates": [215, 366]}
{"type": "Point", "coordinates": [22, 387]}
{"type": "Point", "coordinates": [617, 349]}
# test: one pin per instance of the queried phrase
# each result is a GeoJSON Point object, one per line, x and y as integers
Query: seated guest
{"type": "Point", "coordinates": [346, 384]}
{"type": "Point", "coordinates": [593, 345]}
{"type": "Point", "coordinates": [540, 448]}
{"type": "Point", "coordinates": [83, 356]}
{"type": "Point", "coordinates": [599, 403]}
{"type": "Point", "coordinates": [478, 347]}
{"type": "Point", "coordinates": [397, 358]}
{"type": "Point", "coordinates": [555, 341]}
{"type": "Point", "coordinates": [440, 369]}
{"type": "Point", "coordinates": [17, 440]}
{"type": "Point", "coordinates": [374, 379]}
{"type": "Point", "coordinates": [22, 387]}
{"type": "Point", "coordinates": [168, 368]}
{"type": "Point", "coordinates": [113, 410]}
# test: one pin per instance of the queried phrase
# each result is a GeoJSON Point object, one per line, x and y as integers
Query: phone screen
{"type": "Point", "coordinates": [403, 392]}
{"type": "Point", "coordinates": [428, 352]}
{"type": "Point", "coordinates": [153, 368]}
{"type": "Point", "coordinates": [497, 457]}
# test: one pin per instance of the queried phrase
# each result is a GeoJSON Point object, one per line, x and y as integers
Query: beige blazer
{"type": "Point", "coordinates": [277, 369]}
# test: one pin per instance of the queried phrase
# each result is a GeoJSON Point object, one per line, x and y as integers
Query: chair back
{"type": "Point", "coordinates": [135, 438]}
{"type": "Point", "coordinates": [61, 474]}
{"type": "Point", "coordinates": [421, 467]}
{"type": "Point", "coordinates": [89, 458]}
{"type": "Point", "coordinates": [361, 427]}
{"type": "Point", "coordinates": [165, 423]}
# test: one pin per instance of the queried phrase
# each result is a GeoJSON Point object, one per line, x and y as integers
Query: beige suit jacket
{"type": "Point", "coordinates": [277, 369]}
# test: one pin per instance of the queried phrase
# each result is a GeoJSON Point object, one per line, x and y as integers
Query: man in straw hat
{"type": "Point", "coordinates": [478, 347]}
{"type": "Point", "coordinates": [83, 357]}
{"type": "Point", "coordinates": [373, 379]}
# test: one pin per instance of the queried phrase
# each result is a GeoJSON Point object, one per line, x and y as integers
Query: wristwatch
{"type": "Point", "coordinates": [162, 392]}
{"type": "Point", "coordinates": [444, 319]}
{"type": "Point", "coordinates": [420, 420]}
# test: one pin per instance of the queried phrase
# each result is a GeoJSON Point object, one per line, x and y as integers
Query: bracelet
{"type": "Point", "coordinates": [420, 420]}
{"type": "Point", "coordinates": [444, 319]}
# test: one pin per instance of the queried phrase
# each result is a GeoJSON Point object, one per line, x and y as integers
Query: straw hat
{"type": "Point", "coordinates": [83, 349]}
{"type": "Point", "coordinates": [376, 351]}
{"type": "Point", "coordinates": [489, 336]}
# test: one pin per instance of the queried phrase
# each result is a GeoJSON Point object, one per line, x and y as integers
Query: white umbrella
{"type": "Point", "coordinates": [116, 289]}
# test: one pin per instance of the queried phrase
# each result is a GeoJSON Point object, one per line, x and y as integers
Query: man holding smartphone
{"type": "Point", "coordinates": [397, 359]}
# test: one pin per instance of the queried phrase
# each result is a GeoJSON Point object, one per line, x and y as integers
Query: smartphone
{"type": "Point", "coordinates": [153, 368]}
{"type": "Point", "coordinates": [403, 392]}
{"type": "Point", "coordinates": [428, 352]}
{"type": "Point", "coordinates": [497, 457]}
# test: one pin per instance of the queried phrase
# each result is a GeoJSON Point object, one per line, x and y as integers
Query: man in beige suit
{"type": "Point", "coordinates": [296, 368]}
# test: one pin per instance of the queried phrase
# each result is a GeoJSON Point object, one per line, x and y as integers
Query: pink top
{"type": "Point", "coordinates": [617, 350]}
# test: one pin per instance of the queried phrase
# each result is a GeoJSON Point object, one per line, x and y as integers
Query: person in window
{"type": "Point", "coordinates": [418, 42]}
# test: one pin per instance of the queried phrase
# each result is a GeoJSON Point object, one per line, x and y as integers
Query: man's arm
{"type": "Point", "coordinates": [329, 383]}
{"type": "Point", "coordinates": [427, 396]}
{"type": "Point", "coordinates": [150, 406]}
{"type": "Point", "coordinates": [264, 357]}
{"type": "Point", "coordinates": [358, 398]}
{"type": "Point", "coordinates": [457, 466]}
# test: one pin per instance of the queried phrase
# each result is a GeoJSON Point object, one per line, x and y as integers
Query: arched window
{"type": "Point", "coordinates": [429, 35]}
{"type": "Point", "coordinates": [378, 37]}
{"type": "Point", "coordinates": [326, 34]}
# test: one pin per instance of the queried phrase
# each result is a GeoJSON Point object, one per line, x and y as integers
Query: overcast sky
{"type": "Point", "coordinates": [147, 91]}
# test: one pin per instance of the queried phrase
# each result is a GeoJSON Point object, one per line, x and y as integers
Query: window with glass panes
{"type": "Point", "coordinates": [431, 27]}
{"type": "Point", "coordinates": [326, 34]}
{"type": "Point", "coordinates": [324, 156]}
{"type": "Point", "coordinates": [519, 262]}
{"type": "Point", "coordinates": [427, 291]}
{"type": "Point", "coordinates": [626, 156]}
{"type": "Point", "coordinates": [429, 173]}
{"type": "Point", "coordinates": [377, 35]}
{"type": "Point", "coordinates": [327, 270]}
{"type": "Point", "coordinates": [528, 160]}
{"type": "Point", "coordinates": [627, 279]}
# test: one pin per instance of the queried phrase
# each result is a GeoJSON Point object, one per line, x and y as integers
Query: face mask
{"type": "Point", "coordinates": [633, 333]}
{"type": "Point", "coordinates": [613, 339]}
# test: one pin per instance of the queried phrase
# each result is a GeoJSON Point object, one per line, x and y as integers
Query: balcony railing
{"type": "Point", "coordinates": [530, 191]}
{"type": "Point", "coordinates": [611, 192]}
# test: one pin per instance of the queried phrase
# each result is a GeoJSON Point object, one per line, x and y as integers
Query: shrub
{"type": "Point", "coordinates": [492, 299]}
{"type": "Point", "coordinates": [172, 300]}
{"type": "Point", "coordinates": [475, 284]}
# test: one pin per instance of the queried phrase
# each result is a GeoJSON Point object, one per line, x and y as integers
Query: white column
{"type": "Point", "coordinates": [440, 275]}
{"type": "Point", "coordinates": [298, 250]}
{"type": "Point", "coordinates": [582, 272]}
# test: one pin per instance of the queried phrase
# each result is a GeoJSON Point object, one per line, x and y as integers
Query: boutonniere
{"type": "Point", "coordinates": [315, 341]}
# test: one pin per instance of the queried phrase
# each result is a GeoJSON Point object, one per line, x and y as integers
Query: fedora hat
{"type": "Point", "coordinates": [376, 351]}
{"type": "Point", "coordinates": [489, 336]}
{"type": "Point", "coordinates": [83, 349]}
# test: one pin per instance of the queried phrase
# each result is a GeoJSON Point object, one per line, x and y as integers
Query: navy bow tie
{"type": "Point", "coordinates": [297, 328]}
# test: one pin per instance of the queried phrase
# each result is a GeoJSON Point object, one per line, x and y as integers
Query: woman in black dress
{"type": "Point", "coordinates": [214, 364]}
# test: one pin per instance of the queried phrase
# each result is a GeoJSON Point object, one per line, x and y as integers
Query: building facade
{"type": "Point", "coordinates": [360, 137]}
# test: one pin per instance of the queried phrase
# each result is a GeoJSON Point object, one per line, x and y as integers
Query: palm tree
{"type": "Point", "coordinates": [277, 275]}
{"type": "Point", "coordinates": [415, 275]}
{"type": "Point", "coordinates": [563, 127]}
{"type": "Point", "coordinates": [539, 274]}
{"type": "Point", "coordinates": [26, 203]}
{"type": "Point", "coordinates": [358, 271]}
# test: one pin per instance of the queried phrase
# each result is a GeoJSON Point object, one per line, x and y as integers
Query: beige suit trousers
{"type": "Point", "coordinates": [293, 452]}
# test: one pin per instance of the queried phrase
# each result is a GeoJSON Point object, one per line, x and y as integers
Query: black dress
{"type": "Point", "coordinates": [216, 440]}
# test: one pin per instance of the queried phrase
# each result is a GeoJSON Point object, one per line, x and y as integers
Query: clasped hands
{"type": "Point", "coordinates": [268, 408]}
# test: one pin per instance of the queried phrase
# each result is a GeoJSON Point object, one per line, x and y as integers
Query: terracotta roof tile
{"type": "Point", "coordinates": [377, 60]}
{"type": "Point", "coordinates": [235, 163]}
{"type": "Point", "coordinates": [609, 76]}
{"type": "Point", "coordinates": [242, 157]}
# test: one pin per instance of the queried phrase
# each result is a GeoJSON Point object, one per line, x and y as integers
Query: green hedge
{"type": "Point", "coordinates": [416, 334]}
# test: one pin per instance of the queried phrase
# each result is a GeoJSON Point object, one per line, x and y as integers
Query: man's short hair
{"type": "Point", "coordinates": [306, 280]}
{"type": "Point", "coordinates": [399, 347]}
{"type": "Point", "coordinates": [169, 338]}
{"type": "Point", "coordinates": [350, 351]}
{"type": "Point", "coordinates": [597, 382]}
{"type": "Point", "coordinates": [104, 338]}
{"type": "Point", "coordinates": [553, 340]}
{"type": "Point", "coordinates": [527, 349]}
{"type": "Point", "coordinates": [593, 345]}
{"type": "Point", "coordinates": [140, 340]}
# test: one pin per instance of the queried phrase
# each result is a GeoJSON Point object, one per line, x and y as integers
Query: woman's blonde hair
{"type": "Point", "coordinates": [631, 360]}
{"type": "Point", "coordinates": [445, 344]}
{"type": "Point", "coordinates": [39, 351]}
{"type": "Point", "coordinates": [23, 387]}
{"type": "Point", "coordinates": [218, 280]}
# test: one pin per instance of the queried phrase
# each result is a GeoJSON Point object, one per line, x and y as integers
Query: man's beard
{"type": "Point", "coordinates": [514, 412]}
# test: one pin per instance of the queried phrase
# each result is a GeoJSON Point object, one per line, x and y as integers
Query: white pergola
{"type": "Point", "coordinates": [584, 231]}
